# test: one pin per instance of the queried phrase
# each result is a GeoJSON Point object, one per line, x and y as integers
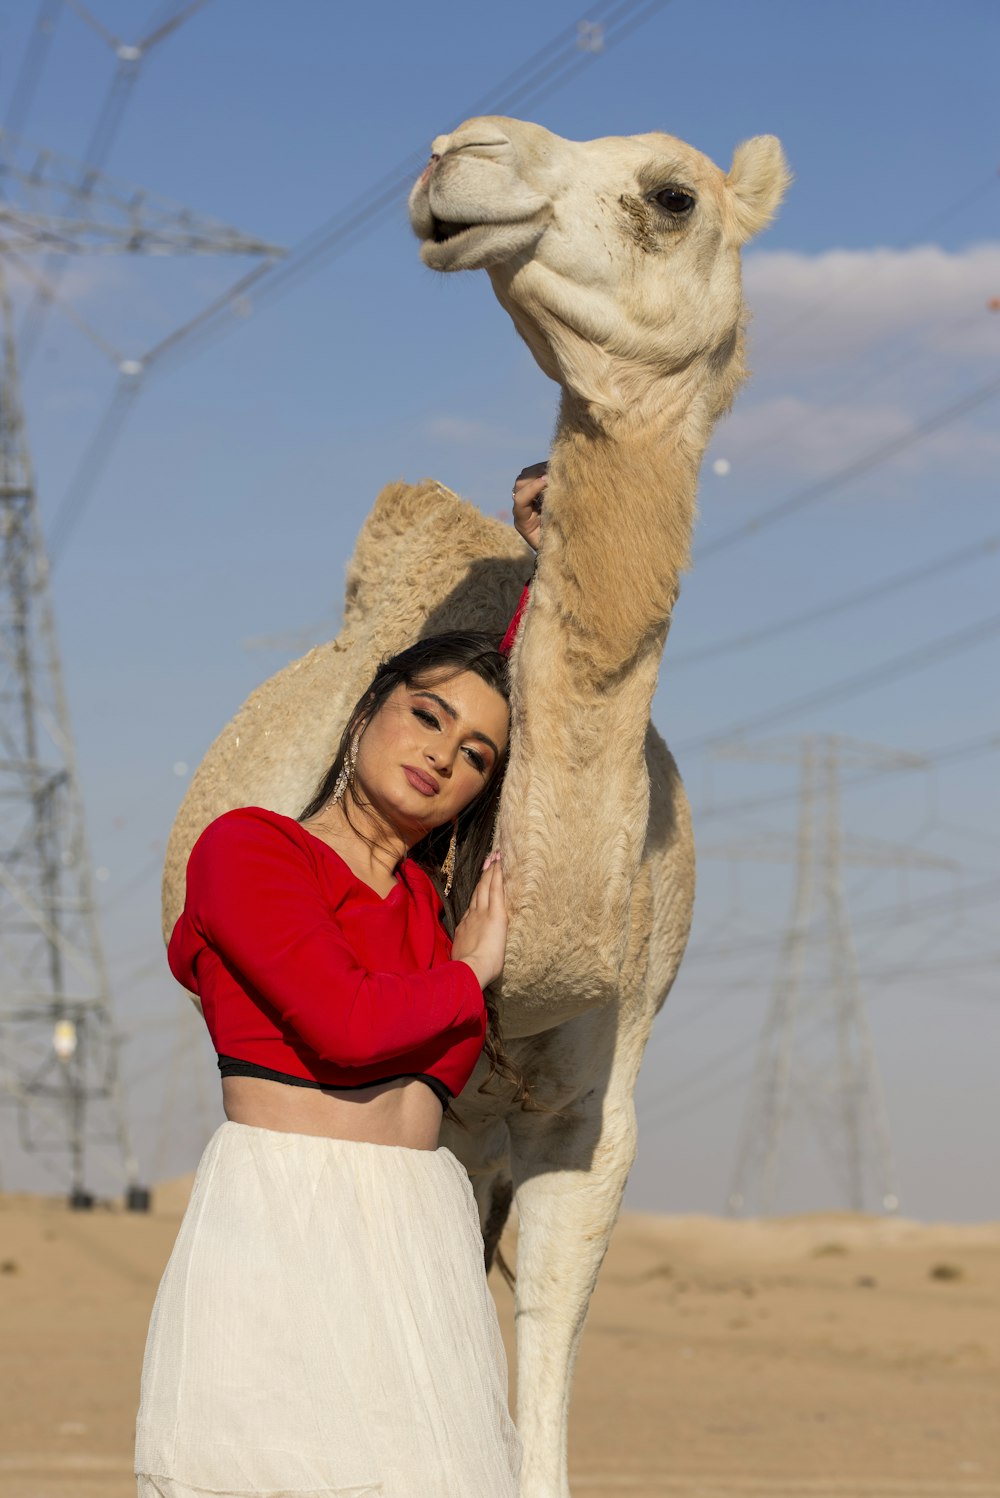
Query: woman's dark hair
{"type": "Point", "coordinates": [451, 653]}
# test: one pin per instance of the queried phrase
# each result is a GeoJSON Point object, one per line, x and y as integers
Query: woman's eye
{"type": "Point", "coordinates": [425, 716]}
{"type": "Point", "coordinates": [477, 760]}
{"type": "Point", "coordinates": [674, 200]}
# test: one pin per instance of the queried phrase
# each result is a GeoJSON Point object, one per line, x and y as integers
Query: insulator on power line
{"type": "Point", "coordinates": [590, 37]}
{"type": "Point", "coordinates": [64, 1039]}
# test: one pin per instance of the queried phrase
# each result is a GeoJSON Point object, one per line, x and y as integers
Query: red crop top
{"type": "Point", "coordinates": [303, 968]}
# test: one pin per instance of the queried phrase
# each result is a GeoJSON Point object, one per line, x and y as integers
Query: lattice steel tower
{"type": "Point", "coordinates": [58, 1049]}
{"type": "Point", "coordinates": [816, 1061]}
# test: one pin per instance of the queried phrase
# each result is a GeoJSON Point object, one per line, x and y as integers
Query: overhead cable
{"type": "Point", "coordinates": [848, 601]}
{"type": "Point", "coordinates": [129, 61]}
{"type": "Point", "coordinates": [90, 468]}
{"type": "Point", "coordinates": [546, 70]}
{"type": "Point", "coordinates": [854, 686]}
{"type": "Point", "coordinates": [30, 71]}
{"type": "Point", "coordinates": [549, 68]}
{"type": "Point", "coordinates": [964, 898]}
{"type": "Point", "coordinates": [652, 1104]}
{"type": "Point", "coordinates": [801, 498]}
{"type": "Point", "coordinates": [162, 31]}
{"type": "Point", "coordinates": [968, 749]}
{"type": "Point", "coordinates": [857, 382]}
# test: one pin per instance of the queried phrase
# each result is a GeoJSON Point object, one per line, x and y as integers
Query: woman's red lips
{"type": "Point", "coordinates": [422, 783]}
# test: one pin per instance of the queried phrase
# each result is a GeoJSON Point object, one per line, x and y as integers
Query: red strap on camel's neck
{"type": "Point", "coordinates": [508, 640]}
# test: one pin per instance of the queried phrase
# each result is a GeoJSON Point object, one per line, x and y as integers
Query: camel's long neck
{"type": "Point", "coordinates": [619, 509]}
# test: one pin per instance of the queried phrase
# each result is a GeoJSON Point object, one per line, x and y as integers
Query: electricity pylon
{"type": "Point", "coordinates": [58, 1048]}
{"type": "Point", "coordinates": [815, 1058]}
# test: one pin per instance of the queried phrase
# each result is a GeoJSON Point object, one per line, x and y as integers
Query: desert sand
{"type": "Point", "coordinates": [829, 1356]}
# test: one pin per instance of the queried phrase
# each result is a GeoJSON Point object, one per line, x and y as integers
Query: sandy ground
{"type": "Point", "coordinates": [829, 1356]}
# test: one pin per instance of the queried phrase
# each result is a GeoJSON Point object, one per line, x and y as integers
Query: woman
{"type": "Point", "coordinates": [324, 1326]}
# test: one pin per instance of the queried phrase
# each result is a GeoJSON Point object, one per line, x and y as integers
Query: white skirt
{"type": "Point", "coordinates": [324, 1328]}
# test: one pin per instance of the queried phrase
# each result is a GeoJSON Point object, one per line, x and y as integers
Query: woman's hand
{"type": "Point", "coordinates": [529, 486]}
{"type": "Point", "coordinates": [481, 934]}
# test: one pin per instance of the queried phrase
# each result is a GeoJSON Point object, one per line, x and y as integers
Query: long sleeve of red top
{"type": "Point", "coordinates": [263, 898]}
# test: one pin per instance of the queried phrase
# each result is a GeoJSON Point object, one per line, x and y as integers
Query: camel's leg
{"type": "Point", "coordinates": [569, 1176]}
{"type": "Point", "coordinates": [484, 1150]}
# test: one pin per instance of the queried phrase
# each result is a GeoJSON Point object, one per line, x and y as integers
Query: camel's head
{"type": "Point", "coordinates": [618, 259]}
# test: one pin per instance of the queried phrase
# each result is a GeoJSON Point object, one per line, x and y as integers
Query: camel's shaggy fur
{"type": "Point", "coordinates": [637, 312]}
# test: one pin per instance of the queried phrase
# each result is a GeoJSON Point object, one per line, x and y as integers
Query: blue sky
{"type": "Point", "coordinates": [229, 506]}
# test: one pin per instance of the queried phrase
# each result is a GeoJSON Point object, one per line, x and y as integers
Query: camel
{"type": "Point", "coordinates": [618, 261]}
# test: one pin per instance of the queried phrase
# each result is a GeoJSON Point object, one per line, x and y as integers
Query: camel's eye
{"type": "Point", "coordinates": [675, 200]}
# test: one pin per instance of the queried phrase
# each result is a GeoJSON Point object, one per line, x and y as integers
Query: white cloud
{"type": "Point", "coordinates": [850, 349]}
{"type": "Point", "coordinates": [825, 308]}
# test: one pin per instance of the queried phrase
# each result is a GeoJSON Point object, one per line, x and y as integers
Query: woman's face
{"type": "Point", "coordinates": [431, 748]}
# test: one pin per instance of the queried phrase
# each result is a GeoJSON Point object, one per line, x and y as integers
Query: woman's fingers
{"type": "Point", "coordinates": [528, 499]}
{"type": "Point", "coordinates": [479, 898]}
{"type": "Point", "coordinates": [496, 890]}
{"type": "Point", "coordinates": [486, 883]}
{"type": "Point", "coordinates": [527, 489]}
{"type": "Point", "coordinates": [493, 886]}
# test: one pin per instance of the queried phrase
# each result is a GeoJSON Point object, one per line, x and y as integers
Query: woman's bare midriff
{"type": "Point", "coordinates": [405, 1111]}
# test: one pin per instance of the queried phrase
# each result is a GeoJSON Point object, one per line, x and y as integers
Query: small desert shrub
{"type": "Point", "coordinates": [947, 1272]}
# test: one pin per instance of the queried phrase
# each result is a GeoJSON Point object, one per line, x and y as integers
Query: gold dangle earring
{"type": "Point", "coordinates": [448, 867]}
{"type": "Point", "coordinates": [346, 772]}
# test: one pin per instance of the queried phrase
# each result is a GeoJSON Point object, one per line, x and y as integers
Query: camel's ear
{"type": "Point", "coordinates": [757, 181]}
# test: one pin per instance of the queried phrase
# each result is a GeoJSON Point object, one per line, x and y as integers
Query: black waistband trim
{"type": "Point", "coordinates": [231, 1066]}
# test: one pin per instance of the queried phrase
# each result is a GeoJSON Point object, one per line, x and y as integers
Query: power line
{"type": "Point", "coordinates": [129, 61]}
{"type": "Point", "coordinates": [164, 29]}
{"type": "Point", "coordinates": [853, 686]}
{"type": "Point", "coordinates": [968, 749]}
{"type": "Point", "coordinates": [548, 68]}
{"type": "Point", "coordinates": [961, 900]}
{"type": "Point", "coordinates": [115, 219]}
{"type": "Point", "coordinates": [47, 290]}
{"type": "Point", "coordinates": [722, 989]}
{"type": "Point", "coordinates": [845, 602]}
{"type": "Point", "coordinates": [841, 476]}
{"type": "Point", "coordinates": [132, 50]}
{"type": "Point", "coordinates": [98, 27]}
{"type": "Point", "coordinates": [92, 465]}
{"type": "Point", "coordinates": [855, 384]}
{"type": "Point", "coordinates": [736, 1079]}
{"type": "Point", "coordinates": [30, 71]}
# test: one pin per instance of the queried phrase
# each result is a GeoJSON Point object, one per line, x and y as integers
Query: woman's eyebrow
{"type": "Point", "coordinates": [482, 738]}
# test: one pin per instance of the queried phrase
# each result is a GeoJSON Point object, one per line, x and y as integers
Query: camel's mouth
{"type": "Point", "coordinates": [457, 244]}
{"type": "Point", "coordinates": [442, 230]}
